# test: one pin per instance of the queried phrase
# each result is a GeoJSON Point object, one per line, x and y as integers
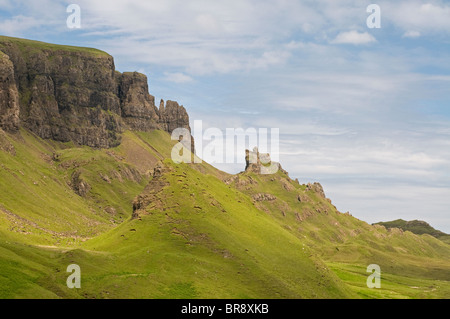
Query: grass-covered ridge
{"type": "Point", "coordinates": [33, 45]}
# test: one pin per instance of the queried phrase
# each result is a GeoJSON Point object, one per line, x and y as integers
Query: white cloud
{"type": "Point", "coordinates": [269, 58]}
{"type": "Point", "coordinates": [353, 37]}
{"type": "Point", "coordinates": [375, 201]}
{"type": "Point", "coordinates": [411, 34]}
{"type": "Point", "coordinates": [17, 25]}
{"type": "Point", "coordinates": [208, 24]}
{"type": "Point", "coordinates": [430, 18]}
{"type": "Point", "coordinates": [178, 78]}
{"type": "Point", "coordinates": [204, 37]}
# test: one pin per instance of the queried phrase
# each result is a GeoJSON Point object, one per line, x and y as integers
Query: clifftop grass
{"type": "Point", "coordinates": [26, 44]}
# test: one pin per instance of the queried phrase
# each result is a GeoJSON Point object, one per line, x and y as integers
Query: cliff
{"type": "Point", "coordinates": [9, 96]}
{"type": "Point", "coordinates": [73, 94]}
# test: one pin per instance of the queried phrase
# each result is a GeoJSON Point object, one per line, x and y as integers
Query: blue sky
{"type": "Point", "coordinates": [366, 112]}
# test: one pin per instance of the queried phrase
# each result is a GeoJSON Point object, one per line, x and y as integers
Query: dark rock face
{"type": "Point", "coordinates": [75, 95]}
{"type": "Point", "coordinates": [80, 186]}
{"type": "Point", "coordinates": [151, 195]}
{"type": "Point", "coordinates": [9, 96]}
{"type": "Point", "coordinates": [173, 116]}
{"type": "Point", "coordinates": [260, 163]}
{"type": "Point", "coordinates": [137, 105]}
{"type": "Point", "coordinates": [66, 95]}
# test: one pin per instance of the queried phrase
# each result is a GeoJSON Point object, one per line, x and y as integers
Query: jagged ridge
{"type": "Point", "coordinates": [141, 226]}
{"type": "Point", "coordinates": [72, 94]}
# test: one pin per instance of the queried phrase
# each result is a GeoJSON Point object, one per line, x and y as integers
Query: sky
{"type": "Point", "coordinates": [364, 111]}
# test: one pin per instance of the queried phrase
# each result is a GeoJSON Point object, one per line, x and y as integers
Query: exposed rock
{"type": "Point", "coordinates": [231, 179]}
{"type": "Point", "coordinates": [252, 161]}
{"type": "Point", "coordinates": [105, 178]}
{"type": "Point", "coordinates": [111, 210]}
{"type": "Point", "coordinates": [9, 95]}
{"type": "Point", "coordinates": [80, 186]}
{"type": "Point", "coordinates": [316, 188]}
{"type": "Point", "coordinates": [303, 198]}
{"type": "Point", "coordinates": [66, 95]}
{"type": "Point", "coordinates": [159, 170]}
{"type": "Point", "coordinates": [305, 214]}
{"type": "Point", "coordinates": [130, 174]}
{"type": "Point", "coordinates": [260, 163]}
{"type": "Point", "coordinates": [172, 116]}
{"type": "Point", "coordinates": [125, 172]}
{"type": "Point", "coordinates": [56, 157]}
{"type": "Point", "coordinates": [240, 181]}
{"type": "Point", "coordinates": [138, 106]}
{"type": "Point", "coordinates": [149, 199]}
{"type": "Point", "coordinates": [5, 144]}
{"type": "Point", "coordinates": [260, 197]}
{"type": "Point", "coordinates": [287, 185]}
{"type": "Point", "coordinates": [75, 95]}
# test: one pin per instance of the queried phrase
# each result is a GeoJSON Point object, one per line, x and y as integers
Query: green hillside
{"type": "Point", "coordinates": [195, 232]}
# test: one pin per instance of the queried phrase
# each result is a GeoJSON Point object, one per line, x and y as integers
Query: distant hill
{"type": "Point", "coordinates": [418, 227]}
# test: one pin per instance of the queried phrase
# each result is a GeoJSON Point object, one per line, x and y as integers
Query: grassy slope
{"type": "Point", "coordinates": [224, 247]}
{"type": "Point", "coordinates": [40, 212]}
{"type": "Point", "coordinates": [341, 239]}
{"type": "Point", "coordinates": [205, 238]}
{"type": "Point", "coordinates": [37, 188]}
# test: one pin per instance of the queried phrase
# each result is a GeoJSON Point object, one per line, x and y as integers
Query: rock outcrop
{"type": "Point", "coordinates": [137, 105]}
{"type": "Point", "coordinates": [172, 116]}
{"type": "Point", "coordinates": [9, 96]}
{"type": "Point", "coordinates": [260, 163]}
{"type": "Point", "coordinates": [316, 188]}
{"type": "Point", "coordinates": [260, 197]}
{"type": "Point", "coordinates": [72, 94]}
{"type": "Point", "coordinates": [5, 144]}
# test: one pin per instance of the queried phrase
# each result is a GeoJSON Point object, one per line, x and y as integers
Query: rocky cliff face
{"type": "Point", "coordinates": [75, 95]}
{"type": "Point", "coordinates": [138, 108]}
{"type": "Point", "coordinates": [173, 116]}
{"type": "Point", "coordinates": [260, 163]}
{"type": "Point", "coordinates": [9, 96]}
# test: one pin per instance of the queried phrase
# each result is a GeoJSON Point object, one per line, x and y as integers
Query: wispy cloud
{"type": "Point", "coordinates": [411, 34]}
{"type": "Point", "coordinates": [178, 77]}
{"type": "Point", "coordinates": [426, 17]}
{"type": "Point", "coordinates": [353, 37]}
